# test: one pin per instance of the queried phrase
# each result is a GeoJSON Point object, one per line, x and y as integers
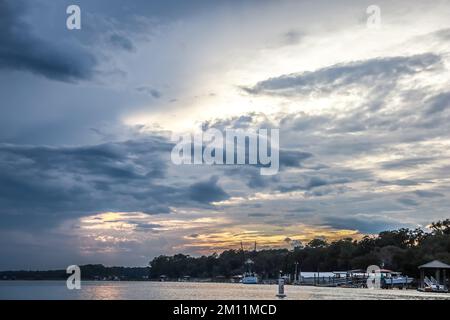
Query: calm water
{"type": "Point", "coordinates": [193, 291]}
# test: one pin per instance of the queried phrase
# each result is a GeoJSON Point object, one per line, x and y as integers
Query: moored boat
{"type": "Point", "coordinates": [391, 279]}
{"type": "Point", "coordinates": [249, 277]}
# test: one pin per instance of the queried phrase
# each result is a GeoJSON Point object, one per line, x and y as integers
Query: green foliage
{"type": "Point", "coordinates": [88, 272]}
{"type": "Point", "coordinates": [400, 250]}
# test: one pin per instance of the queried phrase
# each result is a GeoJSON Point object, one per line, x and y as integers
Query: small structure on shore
{"type": "Point", "coordinates": [439, 283]}
{"type": "Point", "coordinates": [281, 293]}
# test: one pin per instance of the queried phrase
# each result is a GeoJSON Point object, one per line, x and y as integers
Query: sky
{"type": "Point", "coordinates": [86, 119]}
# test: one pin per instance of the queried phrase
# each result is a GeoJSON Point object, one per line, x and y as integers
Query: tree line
{"type": "Point", "coordinates": [88, 272]}
{"type": "Point", "coordinates": [400, 250]}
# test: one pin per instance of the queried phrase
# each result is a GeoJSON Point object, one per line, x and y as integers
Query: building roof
{"type": "Point", "coordinates": [435, 264]}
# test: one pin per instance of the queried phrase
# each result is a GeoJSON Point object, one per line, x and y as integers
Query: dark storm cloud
{"type": "Point", "coordinates": [207, 191]}
{"type": "Point", "coordinates": [42, 186]}
{"type": "Point", "coordinates": [141, 226]}
{"type": "Point", "coordinates": [310, 183]}
{"type": "Point", "coordinates": [259, 215]}
{"type": "Point", "coordinates": [399, 182]}
{"type": "Point", "coordinates": [428, 194]}
{"type": "Point", "coordinates": [382, 71]}
{"type": "Point", "coordinates": [320, 153]}
{"type": "Point", "coordinates": [150, 91]}
{"type": "Point", "coordinates": [288, 158]}
{"type": "Point", "coordinates": [251, 175]}
{"type": "Point", "coordinates": [438, 103]}
{"type": "Point", "coordinates": [238, 122]}
{"type": "Point", "coordinates": [302, 210]}
{"type": "Point", "coordinates": [408, 202]}
{"type": "Point", "coordinates": [364, 224]}
{"type": "Point", "coordinates": [406, 163]}
{"type": "Point", "coordinates": [22, 49]}
{"type": "Point", "coordinates": [162, 9]}
{"type": "Point", "coordinates": [292, 158]}
{"type": "Point", "coordinates": [122, 42]}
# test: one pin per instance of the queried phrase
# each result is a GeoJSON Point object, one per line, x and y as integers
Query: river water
{"type": "Point", "coordinates": [126, 290]}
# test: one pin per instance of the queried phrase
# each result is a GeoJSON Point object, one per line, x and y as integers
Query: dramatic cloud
{"type": "Point", "coordinates": [85, 169]}
{"type": "Point", "coordinates": [370, 73]}
{"type": "Point", "coordinates": [207, 191]}
{"type": "Point", "coordinates": [150, 91]}
{"type": "Point", "coordinates": [43, 186]}
{"type": "Point", "coordinates": [293, 158]}
{"type": "Point", "coordinates": [313, 182]}
{"type": "Point", "coordinates": [365, 224]}
{"type": "Point", "coordinates": [21, 49]}
{"type": "Point", "coordinates": [121, 42]}
{"type": "Point", "coordinates": [438, 103]}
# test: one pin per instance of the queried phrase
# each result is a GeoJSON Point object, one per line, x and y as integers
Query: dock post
{"type": "Point", "coordinates": [281, 293]}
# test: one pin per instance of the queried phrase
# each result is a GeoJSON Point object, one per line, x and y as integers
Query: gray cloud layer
{"type": "Point", "coordinates": [21, 49]}
{"type": "Point", "coordinates": [42, 186]}
{"type": "Point", "coordinates": [376, 159]}
{"type": "Point", "coordinates": [369, 73]}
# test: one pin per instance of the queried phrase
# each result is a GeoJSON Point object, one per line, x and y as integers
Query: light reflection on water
{"type": "Point", "coordinates": [191, 291]}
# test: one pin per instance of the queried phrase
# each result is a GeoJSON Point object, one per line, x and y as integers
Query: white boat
{"type": "Point", "coordinates": [391, 278]}
{"type": "Point", "coordinates": [249, 277]}
{"type": "Point", "coordinates": [398, 280]}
